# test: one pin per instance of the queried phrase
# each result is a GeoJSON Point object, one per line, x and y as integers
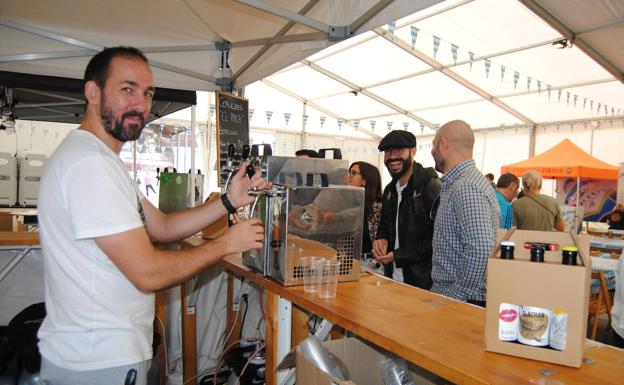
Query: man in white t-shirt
{"type": "Point", "coordinates": [100, 266]}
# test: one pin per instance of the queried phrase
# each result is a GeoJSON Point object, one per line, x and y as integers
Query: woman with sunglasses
{"type": "Point", "coordinates": [362, 174]}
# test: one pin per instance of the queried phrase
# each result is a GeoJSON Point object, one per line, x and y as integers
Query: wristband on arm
{"type": "Point", "coordinates": [228, 205]}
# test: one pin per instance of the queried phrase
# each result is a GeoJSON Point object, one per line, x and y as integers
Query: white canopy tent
{"type": "Point", "coordinates": [522, 73]}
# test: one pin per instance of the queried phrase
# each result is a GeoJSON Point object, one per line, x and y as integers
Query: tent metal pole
{"type": "Point", "coordinates": [304, 105]}
{"type": "Point", "coordinates": [532, 133]}
{"type": "Point", "coordinates": [192, 148]}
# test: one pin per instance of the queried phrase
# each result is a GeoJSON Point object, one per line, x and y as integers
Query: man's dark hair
{"type": "Point", "coordinates": [507, 180]}
{"type": "Point", "coordinates": [489, 176]}
{"type": "Point", "coordinates": [99, 66]}
{"type": "Point", "coordinates": [310, 153]}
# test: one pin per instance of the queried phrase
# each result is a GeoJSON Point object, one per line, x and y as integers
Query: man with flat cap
{"type": "Point", "coordinates": [405, 231]}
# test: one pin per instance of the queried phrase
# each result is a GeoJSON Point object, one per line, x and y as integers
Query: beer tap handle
{"type": "Point", "coordinates": [251, 170]}
{"type": "Point", "coordinates": [245, 152]}
{"type": "Point", "coordinates": [231, 149]}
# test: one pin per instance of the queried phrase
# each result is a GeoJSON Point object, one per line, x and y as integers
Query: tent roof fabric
{"type": "Point", "coordinates": [564, 160]}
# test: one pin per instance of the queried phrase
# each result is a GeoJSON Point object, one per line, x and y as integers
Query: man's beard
{"type": "Point", "coordinates": [406, 165]}
{"type": "Point", "coordinates": [116, 127]}
{"type": "Point", "coordinates": [439, 165]}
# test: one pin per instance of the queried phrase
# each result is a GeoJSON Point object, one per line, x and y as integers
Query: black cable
{"type": "Point", "coordinates": [244, 315]}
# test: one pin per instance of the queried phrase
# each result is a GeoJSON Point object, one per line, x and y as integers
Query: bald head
{"type": "Point", "coordinates": [453, 144]}
{"type": "Point", "coordinates": [459, 135]}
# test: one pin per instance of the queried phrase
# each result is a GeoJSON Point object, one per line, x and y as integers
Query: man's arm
{"type": "Point", "coordinates": [478, 237]}
{"type": "Point", "coordinates": [150, 269]}
{"type": "Point", "coordinates": [177, 225]}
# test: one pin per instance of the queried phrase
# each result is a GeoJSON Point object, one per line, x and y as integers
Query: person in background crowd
{"type": "Point", "coordinates": [148, 180]}
{"type": "Point", "coordinates": [467, 220]}
{"type": "Point", "coordinates": [306, 154]}
{"type": "Point", "coordinates": [535, 211]}
{"type": "Point", "coordinates": [403, 243]}
{"type": "Point", "coordinates": [506, 191]}
{"type": "Point", "coordinates": [490, 177]}
{"type": "Point", "coordinates": [100, 267]}
{"type": "Point", "coordinates": [617, 311]}
{"type": "Point", "coordinates": [362, 174]}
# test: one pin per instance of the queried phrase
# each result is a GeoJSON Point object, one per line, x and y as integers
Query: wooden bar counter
{"type": "Point", "coordinates": [438, 334]}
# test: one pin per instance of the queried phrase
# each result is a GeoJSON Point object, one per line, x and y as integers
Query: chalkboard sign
{"type": "Point", "coordinates": [232, 128]}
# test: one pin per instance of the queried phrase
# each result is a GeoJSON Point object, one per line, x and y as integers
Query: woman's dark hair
{"type": "Point", "coordinates": [372, 190]}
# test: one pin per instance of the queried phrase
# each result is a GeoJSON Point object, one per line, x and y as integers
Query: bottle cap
{"type": "Point", "coordinates": [508, 243]}
{"type": "Point", "coordinates": [570, 248]}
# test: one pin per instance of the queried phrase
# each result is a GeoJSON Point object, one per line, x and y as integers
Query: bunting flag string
{"type": "Point", "coordinates": [269, 114]}
{"type": "Point", "coordinates": [454, 48]}
{"type": "Point", "coordinates": [414, 33]}
{"type": "Point", "coordinates": [287, 117]}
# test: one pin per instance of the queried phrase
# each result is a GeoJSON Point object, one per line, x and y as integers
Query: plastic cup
{"type": "Point", "coordinates": [311, 273]}
{"type": "Point", "coordinates": [329, 279]}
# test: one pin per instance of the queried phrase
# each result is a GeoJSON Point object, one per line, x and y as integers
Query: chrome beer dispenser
{"type": "Point", "coordinates": [310, 211]}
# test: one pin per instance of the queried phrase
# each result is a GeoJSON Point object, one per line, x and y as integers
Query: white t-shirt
{"type": "Point", "coordinates": [95, 317]}
{"type": "Point", "coordinates": [397, 272]}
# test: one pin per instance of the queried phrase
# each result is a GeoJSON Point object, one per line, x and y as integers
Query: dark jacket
{"type": "Point", "coordinates": [417, 214]}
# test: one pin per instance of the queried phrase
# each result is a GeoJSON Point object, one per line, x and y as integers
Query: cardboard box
{"type": "Point", "coordinates": [549, 285]}
{"type": "Point", "coordinates": [364, 362]}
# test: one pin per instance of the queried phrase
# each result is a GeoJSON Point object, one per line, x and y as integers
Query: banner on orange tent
{"type": "Point", "coordinates": [597, 197]}
{"type": "Point", "coordinates": [620, 187]}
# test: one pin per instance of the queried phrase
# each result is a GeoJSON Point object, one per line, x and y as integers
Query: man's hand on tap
{"type": "Point", "coordinates": [241, 184]}
{"type": "Point", "coordinates": [245, 235]}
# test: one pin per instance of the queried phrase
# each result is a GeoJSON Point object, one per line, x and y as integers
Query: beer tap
{"type": "Point", "coordinates": [229, 166]}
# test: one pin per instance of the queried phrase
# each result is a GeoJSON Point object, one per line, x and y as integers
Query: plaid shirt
{"type": "Point", "coordinates": [464, 233]}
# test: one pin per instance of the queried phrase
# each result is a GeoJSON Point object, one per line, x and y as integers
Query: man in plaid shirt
{"type": "Point", "coordinates": [464, 233]}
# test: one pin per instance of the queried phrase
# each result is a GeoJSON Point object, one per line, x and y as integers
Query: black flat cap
{"type": "Point", "coordinates": [397, 139]}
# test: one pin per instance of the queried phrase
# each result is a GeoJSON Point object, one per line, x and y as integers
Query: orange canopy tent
{"type": "Point", "coordinates": [563, 161]}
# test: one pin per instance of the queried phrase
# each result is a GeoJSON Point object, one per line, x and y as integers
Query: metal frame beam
{"type": "Point", "coordinates": [321, 109]}
{"type": "Point", "coordinates": [306, 8]}
{"type": "Point", "coordinates": [424, 17]}
{"type": "Point", "coordinates": [459, 63]}
{"type": "Point", "coordinates": [312, 36]}
{"type": "Point", "coordinates": [451, 74]}
{"type": "Point", "coordinates": [371, 95]}
{"type": "Point", "coordinates": [366, 16]}
{"type": "Point", "coordinates": [96, 48]}
{"type": "Point", "coordinates": [286, 14]}
{"type": "Point", "coordinates": [538, 9]}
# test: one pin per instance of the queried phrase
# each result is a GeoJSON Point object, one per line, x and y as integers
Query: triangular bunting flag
{"type": "Point", "coordinates": [389, 124]}
{"type": "Point", "coordinates": [422, 127]}
{"type": "Point", "coordinates": [436, 45]}
{"type": "Point", "coordinates": [251, 112]}
{"type": "Point", "coordinates": [516, 79]}
{"type": "Point", "coordinates": [323, 121]}
{"type": "Point", "coordinates": [406, 125]}
{"type": "Point", "coordinates": [305, 120]}
{"type": "Point", "coordinates": [548, 87]}
{"type": "Point", "coordinates": [454, 49]}
{"type": "Point", "coordinates": [414, 32]}
{"type": "Point", "coordinates": [287, 117]}
{"type": "Point", "coordinates": [356, 123]}
{"type": "Point", "coordinates": [471, 56]}
{"type": "Point", "coordinates": [372, 125]}
{"type": "Point", "coordinates": [488, 64]}
{"type": "Point", "coordinates": [502, 68]}
{"type": "Point", "coordinates": [539, 87]}
{"type": "Point", "coordinates": [269, 114]}
{"type": "Point", "coordinates": [574, 101]}
{"type": "Point", "coordinates": [339, 122]}
{"type": "Point", "coordinates": [392, 27]}
{"type": "Point", "coordinates": [529, 82]}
